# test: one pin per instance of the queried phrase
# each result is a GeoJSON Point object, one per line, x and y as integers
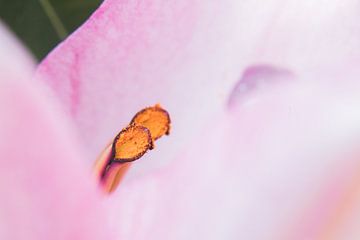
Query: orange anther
{"type": "Point", "coordinates": [130, 144]}
{"type": "Point", "coordinates": [156, 119]}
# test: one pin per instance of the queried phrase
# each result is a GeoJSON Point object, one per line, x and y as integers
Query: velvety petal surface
{"type": "Point", "coordinates": [314, 37]}
{"type": "Point", "coordinates": [282, 163]}
{"type": "Point", "coordinates": [46, 189]}
{"type": "Point", "coordinates": [187, 55]}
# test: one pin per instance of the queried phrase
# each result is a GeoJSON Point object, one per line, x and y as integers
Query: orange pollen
{"type": "Point", "coordinates": [156, 119]}
{"type": "Point", "coordinates": [130, 144]}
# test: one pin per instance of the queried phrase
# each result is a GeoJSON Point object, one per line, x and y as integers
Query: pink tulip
{"type": "Point", "coordinates": [264, 100]}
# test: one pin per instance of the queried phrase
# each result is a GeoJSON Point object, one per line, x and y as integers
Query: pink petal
{"type": "Point", "coordinates": [280, 165]}
{"type": "Point", "coordinates": [318, 37]}
{"type": "Point", "coordinates": [291, 142]}
{"type": "Point", "coordinates": [185, 55]}
{"type": "Point", "coordinates": [47, 191]}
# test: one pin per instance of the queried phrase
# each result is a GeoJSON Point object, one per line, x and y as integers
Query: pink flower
{"type": "Point", "coordinates": [264, 101]}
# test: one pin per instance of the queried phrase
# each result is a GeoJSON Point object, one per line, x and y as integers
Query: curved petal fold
{"type": "Point", "coordinates": [47, 191]}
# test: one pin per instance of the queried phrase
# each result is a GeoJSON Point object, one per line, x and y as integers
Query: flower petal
{"type": "Point", "coordinates": [278, 166]}
{"type": "Point", "coordinates": [185, 55]}
{"type": "Point", "coordinates": [319, 37]}
{"type": "Point", "coordinates": [46, 189]}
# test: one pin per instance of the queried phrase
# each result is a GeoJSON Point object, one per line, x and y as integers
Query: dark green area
{"type": "Point", "coordinates": [30, 21]}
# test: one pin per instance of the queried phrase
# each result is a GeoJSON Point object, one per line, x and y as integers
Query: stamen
{"type": "Point", "coordinates": [130, 144]}
{"type": "Point", "coordinates": [156, 119]}
{"type": "Point", "coordinates": [115, 172]}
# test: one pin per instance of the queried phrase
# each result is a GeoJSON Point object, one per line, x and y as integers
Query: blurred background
{"type": "Point", "coordinates": [41, 24]}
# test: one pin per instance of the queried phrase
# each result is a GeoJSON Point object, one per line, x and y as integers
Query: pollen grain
{"type": "Point", "coordinates": [131, 143]}
{"type": "Point", "coordinates": [156, 119]}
